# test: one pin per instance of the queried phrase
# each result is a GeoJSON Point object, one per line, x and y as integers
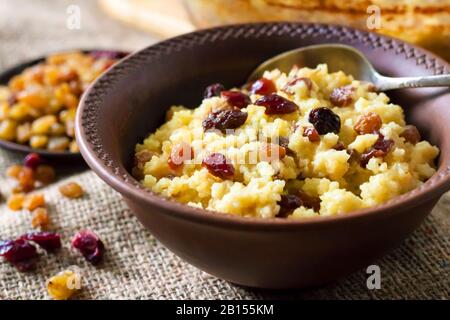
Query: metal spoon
{"type": "Point", "coordinates": [349, 60]}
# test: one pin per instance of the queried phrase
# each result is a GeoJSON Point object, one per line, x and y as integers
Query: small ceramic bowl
{"type": "Point", "coordinates": [7, 74]}
{"type": "Point", "coordinates": [130, 101]}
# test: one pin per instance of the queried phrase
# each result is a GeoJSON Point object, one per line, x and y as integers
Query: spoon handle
{"type": "Point", "coordinates": [387, 83]}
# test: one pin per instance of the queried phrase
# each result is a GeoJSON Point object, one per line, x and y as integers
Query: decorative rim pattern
{"type": "Point", "coordinates": [98, 90]}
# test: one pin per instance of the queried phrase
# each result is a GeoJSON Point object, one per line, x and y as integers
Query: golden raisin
{"type": "Point", "coordinates": [26, 179]}
{"type": "Point", "coordinates": [14, 171]}
{"type": "Point", "coordinates": [58, 143]}
{"type": "Point", "coordinates": [43, 125]}
{"type": "Point", "coordinates": [39, 218]}
{"type": "Point", "coordinates": [15, 201]}
{"type": "Point", "coordinates": [23, 133]}
{"type": "Point", "coordinates": [71, 190]}
{"type": "Point", "coordinates": [38, 142]}
{"type": "Point", "coordinates": [45, 174]}
{"type": "Point", "coordinates": [63, 285]}
{"type": "Point", "coordinates": [8, 129]}
{"type": "Point", "coordinates": [411, 134]}
{"type": "Point", "coordinates": [33, 201]}
{"type": "Point", "coordinates": [73, 147]}
{"type": "Point", "coordinates": [368, 123]}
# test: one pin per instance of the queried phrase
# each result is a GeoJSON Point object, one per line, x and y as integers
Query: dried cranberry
{"type": "Point", "coordinates": [32, 160]}
{"type": "Point", "coordinates": [325, 120]}
{"type": "Point", "coordinates": [89, 245]}
{"type": "Point", "coordinates": [225, 119]}
{"type": "Point", "coordinates": [236, 98]}
{"type": "Point", "coordinates": [312, 134]}
{"type": "Point", "coordinates": [263, 86]}
{"type": "Point", "coordinates": [342, 96]}
{"type": "Point", "coordinates": [218, 165]}
{"type": "Point", "coordinates": [49, 241]}
{"type": "Point", "coordinates": [20, 253]}
{"type": "Point", "coordinates": [288, 88]}
{"type": "Point", "coordinates": [276, 104]}
{"type": "Point", "coordinates": [213, 90]}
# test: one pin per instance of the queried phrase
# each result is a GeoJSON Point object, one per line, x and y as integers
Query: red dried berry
{"type": "Point", "coordinates": [276, 104]}
{"type": "Point", "coordinates": [312, 134]}
{"type": "Point", "coordinates": [343, 96]}
{"type": "Point", "coordinates": [236, 98]}
{"type": "Point", "coordinates": [380, 149]}
{"type": "Point", "coordinates": [32, 160]}
{"type": "Point", "coordinates": [49, 241]}
{"type": "Point", "coordinates": [263, 86]}
{"type": "Point", "coordinates": [324, 120]}
{"type": "Point", "coordinates": [288, 88]}
{"type": "Point", "coordinates": [218, 165]}
{"type": "Point", "coordinates": [89, 245]}
{"type": "Point", "coordinates": [20, 253]}
{"type": "Point", "coordinates": [225, 119]}
{"type": "Point", "coordinates": [213, 90]}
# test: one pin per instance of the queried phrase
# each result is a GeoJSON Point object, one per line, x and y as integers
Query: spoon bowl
{"type": "Point", "coordinates": [344, 58]}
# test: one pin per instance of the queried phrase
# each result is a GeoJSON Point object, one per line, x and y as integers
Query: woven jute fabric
{"type": "Point", "coordinates": [136, 265]}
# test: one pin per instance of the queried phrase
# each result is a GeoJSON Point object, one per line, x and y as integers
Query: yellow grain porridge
{"type": "Point", "coordinates": [303, 144]}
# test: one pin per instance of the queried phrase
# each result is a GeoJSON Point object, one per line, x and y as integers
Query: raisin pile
{"type": "Point", "coordinates": [325, 120]}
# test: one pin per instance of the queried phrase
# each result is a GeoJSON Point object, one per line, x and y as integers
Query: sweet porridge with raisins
{"type": "Point", "coordinates": [303, 144]}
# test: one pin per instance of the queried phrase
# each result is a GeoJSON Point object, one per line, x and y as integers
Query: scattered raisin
{"type": "Point", "coordinates": [45, 174]}
{"type": "Point", "coordinates": [324, 120]}
{"type": "Point", "coordinates": [380, 149]}
{"type": "Point", "coordinates": [368, 123]}
{"type": "Point", "coordinates": [236, 98]}
{"type": "Point", "coordinates": [39, 218]}
{"type": "Point", "coordinates": [33, 201]}
{"type": "Point", "coordinates": [411, 134]}
{"type": "Point", "coordinates": [312, 134]}
{"type": "Point", "coordinates": [20, 253]}
{"type": "Point", "coordinates": [89, 245]}
{"type": "Point", "coordinates": [63, 285]}
{"type": "Point", "coordinates": [15, 201]}
{"type": "Point", "coordinates": [49, 241]}
{"type": "Point", "coordinates": [263, 87]}
{"type": "Point", "coordinates": [225, 119]}
{"type": "Point", "coordinates": [308, 201]}
{"type": "Point", "coordinates": [343, 96]}
{"type": "Point", "coordinates": [284, 142]}
{"type": "Point", "coordinates": [32, 160]}
{"type": "Point", "coordinates": [213, 90]}
{"type": "Point", "coordinates": [218, 165]}
{"type": "Point", "coordinates": [276, 104]}
{"type": "Point", "coordinates": [71, 190]}
{"type": "Point", "coordinates": [26, 179]}
{"type": "Point", "coordinates": [339, 146]}
{"type": "Point", "coordinates": [288, 204]}
{"type": "Point", "coordinates": [179, 154]}
{"type": "Point", "coordinates": [288, 88]}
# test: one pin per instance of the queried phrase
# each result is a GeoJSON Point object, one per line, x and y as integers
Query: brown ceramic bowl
{"type": "Point", "coordinates": [131, 99]}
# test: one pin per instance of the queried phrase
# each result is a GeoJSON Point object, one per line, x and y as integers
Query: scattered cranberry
{"type": "Point", "coordinates": [325, 120]}
{"type": "Point", "coordinates": [236, 98]}
{"type": "Point", "coordinates": [89, 245]}
{"type": "Point", "coordinates": [312, 134]}
{"type": "Point", "coordinates": [263, 87]}
{"type": "Point", "coordinates": [343, 96]}
{"type": "Point", "coordinates": [20, 253]}
{"type": "Point", "coordinates": [380, 149]}
{"type": "Point", "coordinates": [225, 119]}
{"type": "Point", "coordinates": [32, 160]}
{"type": "Point", "coordinates": [276, 104]}
{"type": "Point", "coordinates": [49, 241]}
{"type": "Point", "coordinates": [213, 90]}
{"type": "Point", "coordinates": [411, 134]}
{"type": "Point", "coordinates": [218, 166]}
{"type": "Point", "coordinates": [288, 88]}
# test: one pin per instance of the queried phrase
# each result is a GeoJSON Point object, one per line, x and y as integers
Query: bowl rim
{"type": "Point", "coordinates": [125, 184]}
{"type": "Point", "coordinates": [13, 70]}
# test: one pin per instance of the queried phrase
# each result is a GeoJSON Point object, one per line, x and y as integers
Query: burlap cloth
{"type": "Point", "coordinates": [136, 266]}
